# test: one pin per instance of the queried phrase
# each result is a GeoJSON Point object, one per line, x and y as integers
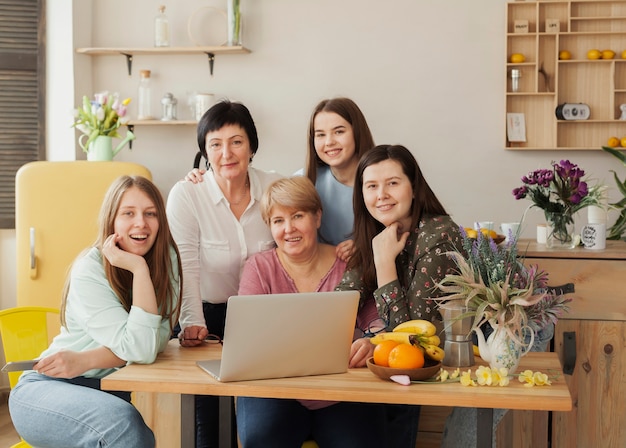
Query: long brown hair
{"type": "Point", "coordinates": [158, 257]}
{"type": "Point", "coordinates": [349, 111]}
{"type": "Point", "coordinates": [366, 227]}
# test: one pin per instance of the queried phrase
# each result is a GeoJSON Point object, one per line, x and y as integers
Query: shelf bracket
{"type": "Point", "coordinates": [129, 63]}
{"type": "Point", "coordinates": [211, 62]}
{"type": "Point", "coordinates": [131, 128]}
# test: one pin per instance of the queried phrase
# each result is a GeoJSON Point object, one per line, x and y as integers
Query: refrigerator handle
{"type": "Point", "coordinates": [33, 259]}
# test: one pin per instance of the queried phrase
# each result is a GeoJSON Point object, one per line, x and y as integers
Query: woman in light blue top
{"type": "Point", "coordinates": [338, 136]}
{"type": "Point", "coordinates": [120, 303]}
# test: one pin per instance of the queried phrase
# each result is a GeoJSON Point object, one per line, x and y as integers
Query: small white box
{"type": "Point", "coordinates": [553, 25]}
{"type": "Point", "coordinates": [520, 26]}
{"type": "Point", "coordinates": [515, 127]}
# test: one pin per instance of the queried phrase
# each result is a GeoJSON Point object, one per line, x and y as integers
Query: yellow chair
{"type": "Point", "coordinates": [25, 334]}
{"type": "Point", "coordinates": [309, 444]}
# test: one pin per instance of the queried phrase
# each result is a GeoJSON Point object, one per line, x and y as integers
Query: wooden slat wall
{"type": "Point", "coordinates": [22, 80]}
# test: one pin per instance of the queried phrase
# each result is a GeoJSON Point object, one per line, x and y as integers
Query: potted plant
{"type": "Point", "coordinates": [499, 290]}
{"type": "Point", "coordinates": [616, 231]}
{"type": "Point", "coordinates": [560, 192]}
{"type": "Point", "coordinates": [99, 121]}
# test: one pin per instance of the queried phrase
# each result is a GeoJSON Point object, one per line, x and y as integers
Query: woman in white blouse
{"type": "Point", "coordinates": [217, 225]}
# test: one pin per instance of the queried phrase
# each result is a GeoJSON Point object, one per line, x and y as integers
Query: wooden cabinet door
{"type": "Point", "coordinates": [597, 385]}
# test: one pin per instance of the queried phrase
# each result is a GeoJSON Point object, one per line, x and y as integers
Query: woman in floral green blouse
{"type": "Point", "coordinates": [401, 234]}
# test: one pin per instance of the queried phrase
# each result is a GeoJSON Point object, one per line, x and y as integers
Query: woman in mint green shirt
{"type": "Point", "coordinates": [119, 306]}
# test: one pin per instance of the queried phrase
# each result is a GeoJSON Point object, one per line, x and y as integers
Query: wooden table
{"type": "Point", "coordinates": [175, 371]}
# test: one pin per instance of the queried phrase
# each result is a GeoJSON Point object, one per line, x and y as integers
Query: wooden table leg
{"type": "Point", "coordinates": [228, 435]}
{"type": "Point", "coordinates": [484, 427]}
{"type": "Point", "coordinates": [187, 421]}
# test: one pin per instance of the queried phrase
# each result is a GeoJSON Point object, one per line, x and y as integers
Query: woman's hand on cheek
{"type": "Point", "coordinates": [119, 257]}
{"type": "Point", "coordinates": [387, 244]}
{"type": "Point", "coordinates": [360, 351]}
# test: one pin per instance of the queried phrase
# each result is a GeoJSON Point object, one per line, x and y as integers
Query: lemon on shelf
{"type": "Point", "coordinates": [608, 54]}
{"type": "Point", "coordinates": [624, 54]}
{"type": "Point", "coordinates": [622, 142]}
{"type": "Point", "coordinates": [613, 142]}
{"type": "Point", "coordinates": [594, 54]}
{"type": "Point", "coordinates": [565, 55]}
{"type": "Point", "coordinates": [517, 58]}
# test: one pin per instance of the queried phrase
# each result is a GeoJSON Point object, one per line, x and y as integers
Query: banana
{"type": "Point", "coordinates": [476, 351]}
{"type": "Point", "coordinates": [433, 352]}
{"type": "Point", "coordinates": [432, 340]}
{"type": "Point", "coordinates": [416, 326]}
{"type": "Point", "coordinates": [403, 338]}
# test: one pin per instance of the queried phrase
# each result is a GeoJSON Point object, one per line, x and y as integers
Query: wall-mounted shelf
{"type": "Point", "coordinates": [157, 122]}
{"type": "Point", "coordinates": [546, 81]}
{"type": "Point", "coordinates": [130, 52]}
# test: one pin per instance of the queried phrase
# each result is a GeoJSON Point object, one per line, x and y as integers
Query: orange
{"type": "Point", "coordinates": [406, 356]}
{"type": "Point", "coordinates": [381, 352]}
{"type": "Point", "coordinates": [613, 142]}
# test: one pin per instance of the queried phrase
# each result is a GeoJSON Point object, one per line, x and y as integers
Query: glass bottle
{"type": "Point", "coordinates": [144, 94]}
{"type": "Point", "coordinates": [161, 29]}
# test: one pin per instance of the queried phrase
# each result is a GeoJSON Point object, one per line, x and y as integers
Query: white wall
{"type": "Point", "coordinates": [427, 74]}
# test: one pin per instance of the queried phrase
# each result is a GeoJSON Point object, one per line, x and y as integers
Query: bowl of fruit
{"type": "Point", "coordinates": [411, 349]}
{"type": "Point", "coordinates": [473, 234]}
{"type": "Point", "coordinates": [430, 369]}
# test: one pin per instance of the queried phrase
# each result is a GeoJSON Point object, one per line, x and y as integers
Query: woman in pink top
{"type": "Point", "coordinates": [293, 210]}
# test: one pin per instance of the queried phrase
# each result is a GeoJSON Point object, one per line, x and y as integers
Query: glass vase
{"type": "Point", "coordinates": [560, 230]}
{"type": "Point", "coordinates": [233, 13]}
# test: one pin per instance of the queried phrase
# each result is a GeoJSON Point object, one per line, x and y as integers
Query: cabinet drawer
{"type": "Point", "coordinates": [599, 286]}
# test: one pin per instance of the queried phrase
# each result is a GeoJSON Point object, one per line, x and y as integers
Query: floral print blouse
{"type": "Point", "coordinates": [420, 265]}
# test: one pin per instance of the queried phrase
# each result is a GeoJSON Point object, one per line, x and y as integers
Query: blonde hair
{"type": "Point", "coordinates": [158, 257]}
{"type": "Point", "coordinates": [296, 192]}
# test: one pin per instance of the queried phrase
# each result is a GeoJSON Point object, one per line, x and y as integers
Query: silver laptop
{"type": "Point", "coordinates": [285, 335]}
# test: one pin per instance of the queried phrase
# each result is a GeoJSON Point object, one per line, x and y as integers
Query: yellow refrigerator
{"type": "Point", "coordinates": [56, 213]}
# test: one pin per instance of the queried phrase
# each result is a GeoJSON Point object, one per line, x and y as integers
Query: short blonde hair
{"type": "Point", "coordinates": [296, 192]}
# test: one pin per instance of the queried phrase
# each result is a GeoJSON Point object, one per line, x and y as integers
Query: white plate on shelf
{"type": "Point", "coordinates": [208, 26]}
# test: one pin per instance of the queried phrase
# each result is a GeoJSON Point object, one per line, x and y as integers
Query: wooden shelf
{"type": "Point", "coordinates": [102, 51]}
{"type": "Point", "coordinates": [548, 82]}
{"type": "Point", "coordinates": [130, 52]}
{"type": "Point", "coordinates": [162, 123]}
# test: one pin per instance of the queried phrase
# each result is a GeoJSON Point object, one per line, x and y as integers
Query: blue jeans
{"type": "Point", "coordinates": [282, 423]}
{"type": "Point", "coordinates": [52, 412]}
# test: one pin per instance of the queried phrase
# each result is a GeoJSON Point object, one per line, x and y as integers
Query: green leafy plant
{"type": "Point", "coordinates": [619, 227]}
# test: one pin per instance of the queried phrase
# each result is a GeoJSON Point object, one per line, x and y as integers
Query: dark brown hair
{"type": "Point", "coordinates": [349, 111]}
{"type": "Point", "coordinates": [366, 227]}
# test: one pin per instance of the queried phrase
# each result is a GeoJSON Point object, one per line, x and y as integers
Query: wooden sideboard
{"type": "Point", "coordinates": [590, 340]}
